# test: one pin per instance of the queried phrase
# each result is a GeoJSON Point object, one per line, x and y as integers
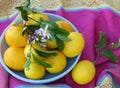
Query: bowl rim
{"type": "Point", "coordinates": [43, 80]}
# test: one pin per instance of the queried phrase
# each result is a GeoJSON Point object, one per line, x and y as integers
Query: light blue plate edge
{"type": "Point", "coordinates": [45, 86]}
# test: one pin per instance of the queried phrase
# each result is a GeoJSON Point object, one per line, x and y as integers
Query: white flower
{"type": "Point", "coordinates": [44, 32]}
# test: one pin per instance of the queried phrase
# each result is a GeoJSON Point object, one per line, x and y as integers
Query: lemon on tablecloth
{"type": "Point", "coordinates": [83, 72]}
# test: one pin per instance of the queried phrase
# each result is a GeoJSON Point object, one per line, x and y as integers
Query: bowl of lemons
{"type": "Point", "coordinates": [41, 49]}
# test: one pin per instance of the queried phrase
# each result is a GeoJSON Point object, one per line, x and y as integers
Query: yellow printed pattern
{"type": "Point", "coordinates": [106, 83]}
{"type": "Point", "coordinates": [7, 7]}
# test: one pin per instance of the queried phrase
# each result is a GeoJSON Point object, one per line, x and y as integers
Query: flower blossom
{"type": "Point", "coordinates": [40, 35]}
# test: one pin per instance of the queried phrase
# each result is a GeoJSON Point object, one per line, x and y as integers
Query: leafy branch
{"type": "Point", "coordinates": [38, 61]}
{"type": "Point", "coordinates": [115, 46]}
{"type": "Point", "coordinates": [60, 35]}
{"type": "Point", "coordinates": [40, 33]}
{"type": "Point", "coordinates": [102, 50]}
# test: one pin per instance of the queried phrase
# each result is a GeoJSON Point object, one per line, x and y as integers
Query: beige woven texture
{"type": "Point", "coordinates": [7, 7]}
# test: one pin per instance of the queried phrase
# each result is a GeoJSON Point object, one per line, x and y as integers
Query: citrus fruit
{"type": "Point", "coordinates": [57, 62]}
{"type": "Point", "coordinates": [14, 58]}
{"type": "Point", "coordinates": [14, 37]}
{"type": "Point", "coordinates": [75, 46]}
{"type": "Point", "coordinates": [34, 71]}
{"type": "Point", "coordinates": [36, 46]}
{"type": "Point", "coordinates": [51, 44]}
{"type": "Point", "coordinates": [65, 25]}
{"type": "Point", "coordinates": [36, 17]}
{"type": "Point", "coordinates": [83, 72]}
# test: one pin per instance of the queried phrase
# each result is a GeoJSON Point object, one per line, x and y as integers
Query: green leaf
{"type": "Point", "coordinates": [52, 38]}
{"type": "Point", "coordinates": [60, 44]}
{"type": "Point", "coordinates": [45, 53]}
{"type": "Point", "coordinates": [33, 27]}
{"type": "Point", "coordinates": [102, 40]}
{"type": "Point", "coordinates": [27, 63]}
{"type": "Point", "coordinates": [23, 13]}
{"type": "Point", "coordinates": [109, 55]}
{"type": "Point", "coordinates": [63, 38]}
{"type": "Point", "coordinates": [56, 31]}
{"type": "Point", "coordinates": [51, 25]}
{"type": "Point", "coordinates": [24, 29]}
{"type": "Point", "coordinates": [28, 10]}
{"type": "Point", "coordinates": [63, 32]}
{"type": "Point", "coordinates": [40, 62]}
{"type": "Point", "coordinates": [54, 27]}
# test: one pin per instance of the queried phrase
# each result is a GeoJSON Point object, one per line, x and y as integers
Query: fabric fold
{"type": "Point", "coordinates": [4, 78]}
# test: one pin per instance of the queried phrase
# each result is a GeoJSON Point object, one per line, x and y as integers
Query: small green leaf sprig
{"type": "Point", "coordinates": [106, 52]}
{"type": "Point", "coordinates": [25, 9]}
{"type": "Point", "coordinates": [40, 33]}
{"type": "Point", "coordinates": [115, 46]}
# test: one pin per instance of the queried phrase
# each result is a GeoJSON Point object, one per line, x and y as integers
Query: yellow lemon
{"type": "Point", "coordinates": [57, 62]}
{"type": "Point", "coordinates": [36, 46]}
{"type": "Point", "coordinates": [34, 71]}
{"type": "Point", "coordinates": [83, 72]}
{"type": "Point", "coordinates": [75, 46]}
{"type": "Point", "coordinates": [14, 58]}
{"type": "Point", "coordinates": [36, 17]}
{"type": "Point", "coordinates": [14, 37]}
{"type": "Point", "coordinates": [51, 44]}
{"type": "Point", "coordinates": [65, 25]}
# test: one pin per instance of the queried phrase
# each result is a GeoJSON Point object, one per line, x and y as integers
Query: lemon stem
{"type": "Point", "coordinates": [30, 47]}
{"type": "Point", "coordinates": [30, 50]}
{"type": "Point", "coordinates": [98, 54]}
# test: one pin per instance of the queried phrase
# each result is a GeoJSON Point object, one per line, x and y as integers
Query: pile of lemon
{"type": "Point", "coordinates": [15, 55]}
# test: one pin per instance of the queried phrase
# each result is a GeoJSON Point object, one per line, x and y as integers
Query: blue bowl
{"type": "Point", "coordinates": [48, 77]}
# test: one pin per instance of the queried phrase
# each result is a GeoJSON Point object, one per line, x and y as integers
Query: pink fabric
{"type": "Point", "coordinates": [90, 23]}
{"type": "Point", "coordinates": [4, 78]}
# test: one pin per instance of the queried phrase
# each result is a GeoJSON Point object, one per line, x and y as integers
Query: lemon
{"type": "Point", "coordinates": [83, 72]}
{"type": "Point", "coordinates": [65, 25]}
{"type": "Point", "coordinates": [36, 17]}
{"type": "Point", "coordinates": [57, 62]}
{"type": "Point", "coordinates": [51, 44]}
{"type": "Point", "coordinates": [75, 46]}
{"type": "Point", "coordinates": [14, 58]}
{"type": "Point", "coordinates": [14, 37]}
{"type": "Point", "coordinates": [34, 71]}
{"type": "Point", "coordinates": [36, 46]}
